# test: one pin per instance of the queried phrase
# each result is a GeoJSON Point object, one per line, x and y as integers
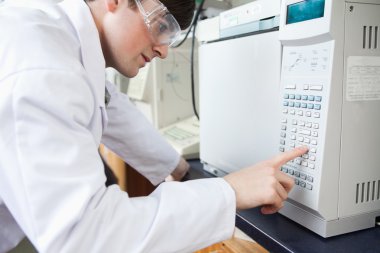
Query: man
{"type": "Point", "coordinates": [54, 115]}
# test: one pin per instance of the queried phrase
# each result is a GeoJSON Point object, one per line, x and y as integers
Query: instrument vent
{"type": "Point", "coordinates": [371, 36]}
{"type": "Point", "coordinates": [367, 191]}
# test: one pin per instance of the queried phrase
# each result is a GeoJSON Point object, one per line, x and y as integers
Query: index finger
{"type": "Point", "coordinates": [285, 157]}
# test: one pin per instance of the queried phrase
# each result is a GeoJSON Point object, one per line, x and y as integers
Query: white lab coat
{"type": "Point", "coordinates": [53, 118]}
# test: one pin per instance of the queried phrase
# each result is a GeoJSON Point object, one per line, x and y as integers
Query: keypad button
{"type": "Point", "coordinates": [294, 130]}
{"type": "Point", "coordinates": [307, 140]}
{"type": "Point", "coordinates": [300, 113]}
{"type": "Point", "coordinates": [308, 114]}
{"type": "Point", "coordinates": [312, 158]}
{"type": "Point", "coordinates": [317, 115]}
{"type": "Point", "coordinates": [304, 105]}
{"type": "Point", "coordinates": [296, 181]}
{"type": "Point", "coordinates": [282, 142]}
{"type": "Point", "coordinates": [290, 87]}
{"type": "Point", "coordinates": [282, 149]}
{"type": "Point", "coordinates": [291, 104]}
{"type": "Point", "coordinates": [305, 132]}
{"type": "Point", "coordinates": [304, 97]}
{"type": "Point", "coordinates": [314, 134]}
{"type": "Point", "coordinates": [285, 111]}
{"type": "Point", "coordinates": [298, 97]}
{"type": "Point", "coordinates": [294, 122]}
{"type": "Point", "coordinates": [306, 87]}
{"type": "Point", "coordinates": [317, 107]}
{"type": "Point", "coordinates": [292, 144]}
{"type": "Point", "coordinates": [310, 98]}
{"type": "Point", "coordinates": [308, 124]}
{"type": "Point", "coordinates": [314, 142]}
{"type": "Point", "coordinates": [313, 150]}
{"type": "Point", "coordinates": [311, 165]}
{"type": "Point", "coordinates": [304, 163]}
{"type": "Point", "coordinates": [316, 87]}
{"type": "Point", "coordinates": [291, 172]}
{"type": "Point", "coordinates": [285, 103]}
{"type": "Point", "coordinates": [292, 137]}
{"type": "Point", "coordinates": [292, 112]}
{"type": "Point", "coordinates": [310, 179]}
{"type": "Point", "coordinates": [310, 106]}
{"type": "Point", "coordinates": [306, 156]}
{"type": "Point", "coordinates": [302, 184]}
{"type": "Point", "coordinates": [309, 187]}
{"type": "Point", "coordinates": [296, 173]}
{"type": "Point", "coordinates": [297, 104]}
{"type": "Point", "coordinates": [292, 96]}
{"type": "Point", "coordinates": [300, 138]}
{"type": "Point", "coordinates": [318, 98]}
{"type": "Point", "coordinates": [284, 169]}
{"type": "Point", "coordinates": [283, 135]}
{"type": "Point", "coordinates": [283, 127]}
{"type": "Point", "coordinates": [301, 123]}
{"type": "Point", "coordinates": [303, 176]}
{"type": "Point", "coordinates": [286, 96]}
{"type": "Point", "coordinates": [284, 120]}
{"type": "Point", "coordinates": [316, 126]}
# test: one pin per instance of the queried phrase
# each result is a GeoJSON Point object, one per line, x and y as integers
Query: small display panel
{"type": "Point", "coordinates": [305, 10]}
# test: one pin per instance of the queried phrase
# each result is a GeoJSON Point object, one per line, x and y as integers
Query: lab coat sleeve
{"type": "Point", "coordinates": [60, 200]}
{"type": "Point", "coordinates": [130, 135]}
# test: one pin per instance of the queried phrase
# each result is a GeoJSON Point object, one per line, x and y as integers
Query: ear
{"type": "Point", "coordinates": [111, 5]}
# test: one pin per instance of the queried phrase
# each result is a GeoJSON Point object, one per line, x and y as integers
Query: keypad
{"type": "Point", "coordinates": [300, 126]}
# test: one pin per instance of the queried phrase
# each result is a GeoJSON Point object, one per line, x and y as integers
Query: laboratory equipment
{"type": "Point", "coordinates": [162, 92]}
{"type": "Point", "coordinates": [239, 87]}
{"type": "Point", "coordinates": [330, 99]}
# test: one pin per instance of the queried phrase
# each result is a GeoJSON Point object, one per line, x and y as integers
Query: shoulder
{"type": "Point", "coordinates": [35, 37]}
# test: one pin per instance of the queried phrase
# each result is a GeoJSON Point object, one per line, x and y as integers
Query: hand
{"type": "Point", "coordinates": [264, 184]}
{"type": "Point", "coordinates": [179, 172]}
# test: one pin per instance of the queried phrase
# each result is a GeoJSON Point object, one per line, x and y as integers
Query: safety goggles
{"type": "Point", "coordinates": [162, 25]}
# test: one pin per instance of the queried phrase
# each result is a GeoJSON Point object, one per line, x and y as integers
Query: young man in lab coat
{"type": "Point", "coordinates": [54, 116]}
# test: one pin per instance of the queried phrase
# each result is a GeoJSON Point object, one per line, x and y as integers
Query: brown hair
{"type": "Point", "coordinates": [182, 10]}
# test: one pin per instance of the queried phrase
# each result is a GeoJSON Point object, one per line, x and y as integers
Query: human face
{"type": "Point", "coordinates": [162, 25]}
{"type": "Point", "coordinates": [126, 40]}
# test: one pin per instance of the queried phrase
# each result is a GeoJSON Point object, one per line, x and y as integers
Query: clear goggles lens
{"type": "Point", "coordinates": [162, 25]}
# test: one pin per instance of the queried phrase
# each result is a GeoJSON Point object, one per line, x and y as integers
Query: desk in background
{"type": "Point", "coordinates": [278, 234]}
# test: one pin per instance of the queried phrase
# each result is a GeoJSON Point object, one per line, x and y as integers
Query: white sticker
{"type": "Point", "coordinates": [363, 78]}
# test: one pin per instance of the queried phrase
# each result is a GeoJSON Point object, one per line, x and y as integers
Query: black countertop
{"type": "Point", "coordinates": [276, 233]}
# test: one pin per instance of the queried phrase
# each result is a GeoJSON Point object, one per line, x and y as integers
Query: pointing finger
{"type": "Point", "coordinates": [285, 157]}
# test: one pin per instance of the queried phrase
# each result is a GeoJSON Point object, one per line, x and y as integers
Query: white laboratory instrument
{"type": "Point", "coordinates": [162, 92]}
{"type": "Point", "coordinates": [184, 137]}
{"type": "Point", "coordinates": [239, 89]}
{"type": "Point", "coordinates": [330, 99]}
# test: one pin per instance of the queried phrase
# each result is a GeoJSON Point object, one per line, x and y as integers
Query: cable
{"type": "Point", "coordinates": [192, 70]}
{"type": "Point", "coordinates": [195, 20]}
{"type": "Point", "coordinates": [192, 27]}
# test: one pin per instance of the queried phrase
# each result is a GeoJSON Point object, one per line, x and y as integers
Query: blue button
{"type": "Point", "coordinates": [311, 98]}
{"type": "Point", "coordinates": [310, 106]}
{"type": "Point", "coordinates": [291, 96]}
{"type": "Point", "coordinates": [286, 96]}
{"type": "Point", "coordinates": [291, 104]}
{"type": "Point", "coordinates": [297, 104]}
{"type": "Point", "coordinates": [285, 103]}
{"type": "Point", "coordinates": [317, 107]}
{"type": "Point", "coordinates": [304, 97]}
{"type": "Point", "coordinates": [318, 98]}
{"type": "Point", "coordinates": [304, 105]}
{"type": "Point", "coordinates": [298, 97]}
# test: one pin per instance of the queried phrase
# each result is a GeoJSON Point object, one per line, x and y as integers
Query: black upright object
{"type": "Point", "coordinates": [276, 233]}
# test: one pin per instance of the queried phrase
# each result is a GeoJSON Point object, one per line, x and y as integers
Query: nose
{"type": "Point", "coordinates": [161, 51]}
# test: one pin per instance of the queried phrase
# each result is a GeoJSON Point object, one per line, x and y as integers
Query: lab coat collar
{"type": "Point", "coordinates": [92, 56]}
